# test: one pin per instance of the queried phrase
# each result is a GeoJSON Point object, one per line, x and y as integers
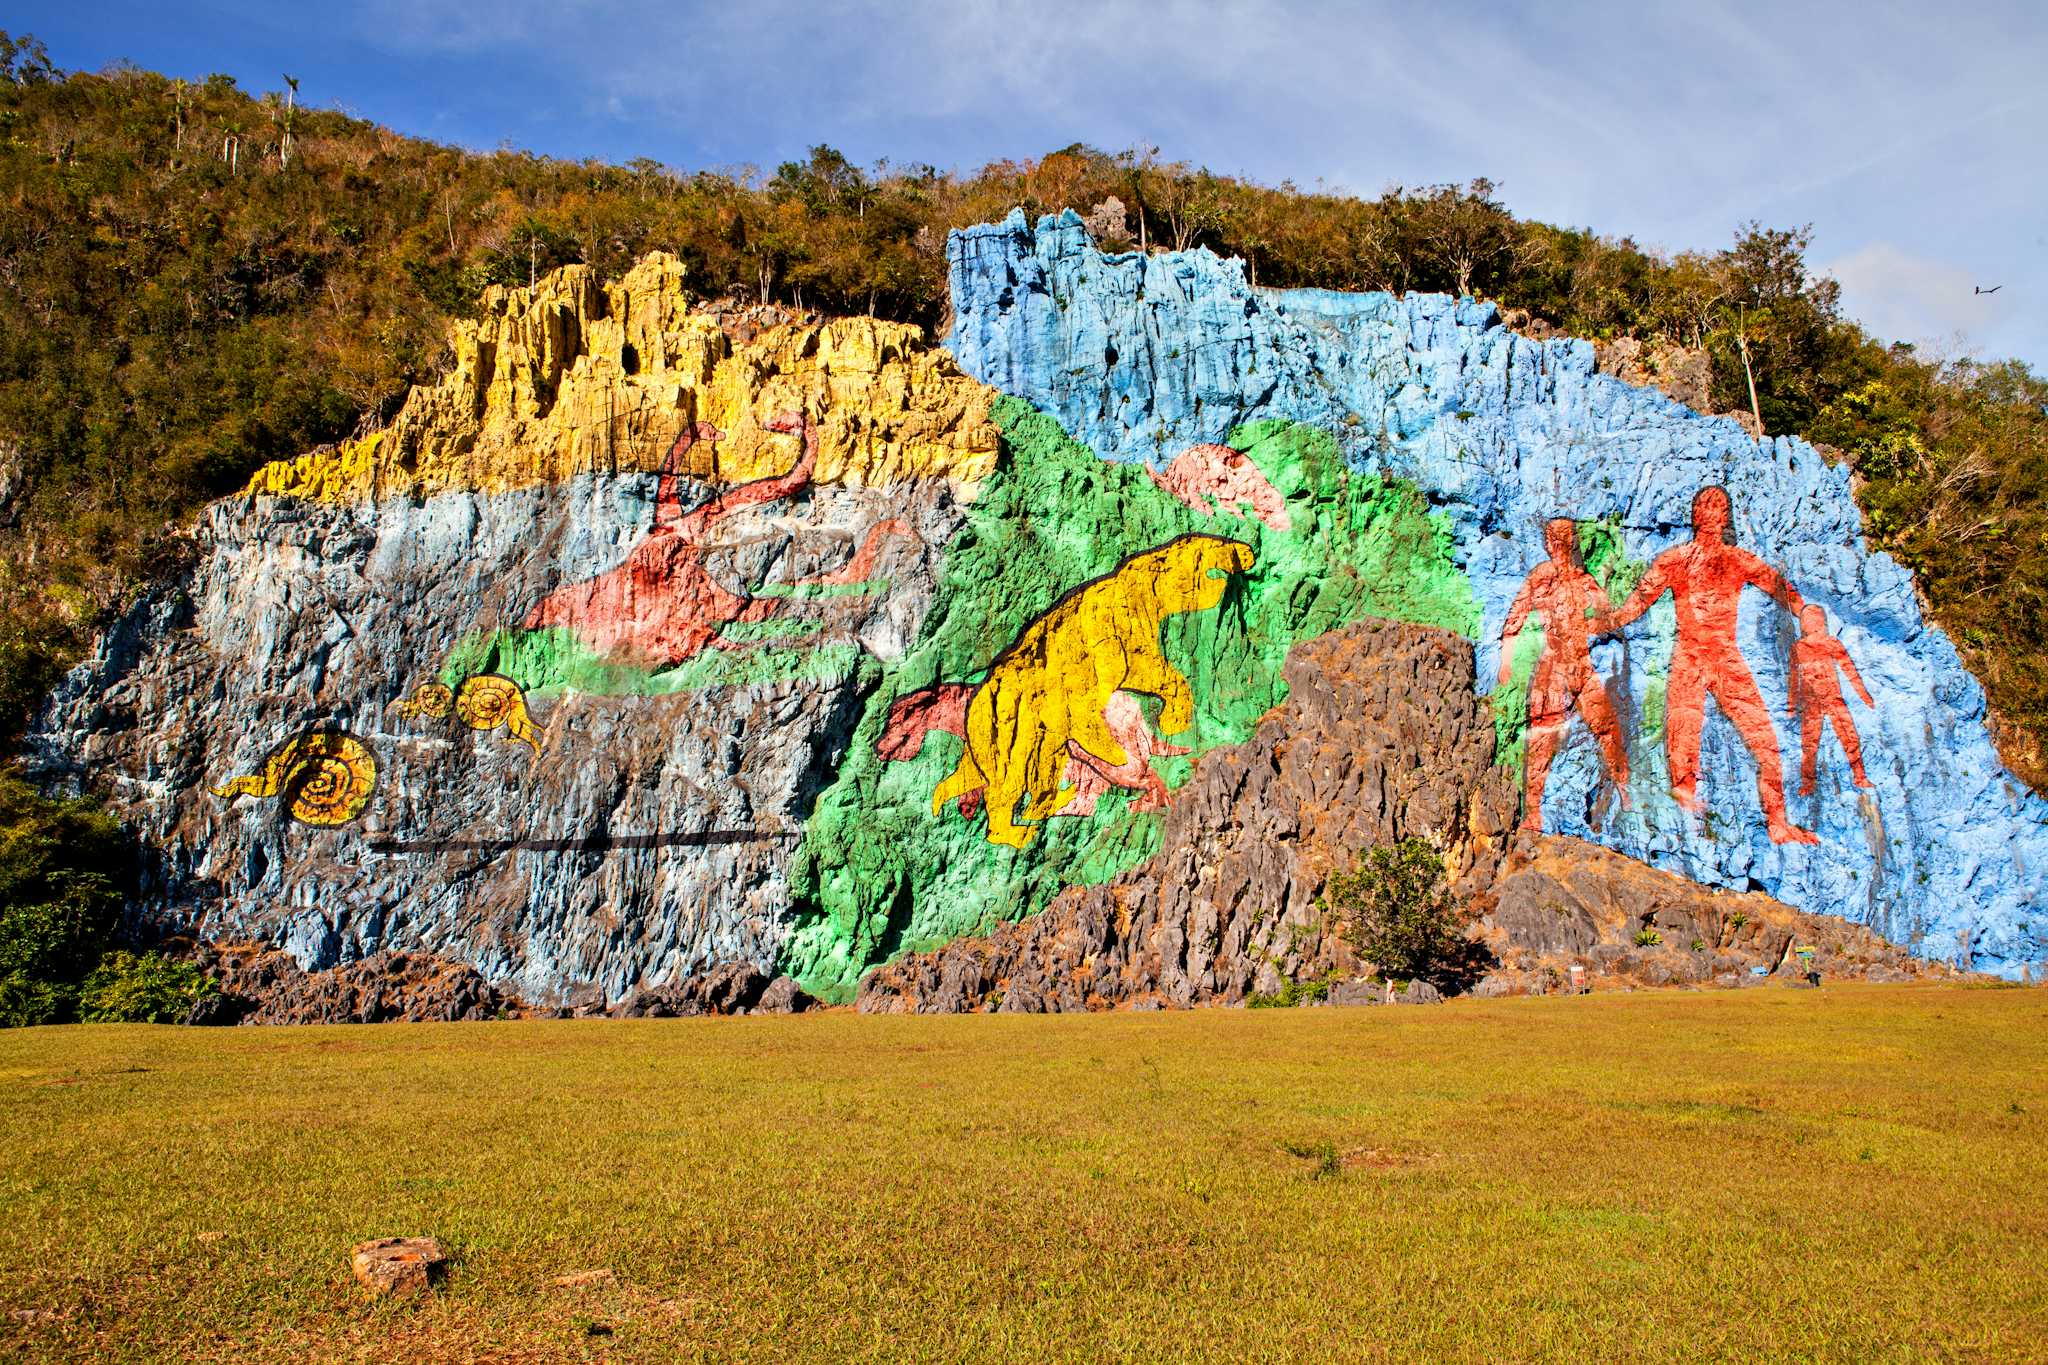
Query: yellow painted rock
{"type": "Point", "coordinates": [573, 376]}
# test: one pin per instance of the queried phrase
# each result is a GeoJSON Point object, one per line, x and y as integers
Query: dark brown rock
{"type": "Point", "coordinates": [266, 986]}
{"type": "Point", "coordinates": [212, 1011]}
{"type": "Point", "coordinates": [783, 996]}
{"type": "Point", "coordinates": [1380, 738]}
{"type": "Point", "coordinates": [1562, 901]}
{"type": "Point", "coordinates": [736, 988]}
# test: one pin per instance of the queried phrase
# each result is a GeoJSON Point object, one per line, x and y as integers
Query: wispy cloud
{"type": "Point", "coordinates": [1905, 297]}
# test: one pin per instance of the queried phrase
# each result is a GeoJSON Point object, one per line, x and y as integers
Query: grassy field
{"type": "Point", "coordinates": [1850, 1174]}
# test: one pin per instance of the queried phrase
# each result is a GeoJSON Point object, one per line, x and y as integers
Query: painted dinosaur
{"type": "Point", "coordinates": [943, 707]}
{"type": "Point", "coordinates": [1049, 695]}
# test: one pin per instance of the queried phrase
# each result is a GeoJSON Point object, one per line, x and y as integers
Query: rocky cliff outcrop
{"type": "Point", "coordinates": [578, 377]}
{"type": "Point", "coordinates": [1381, 739]}
{"type": "Point", "coordinates": [1684, 374]}
{"type": "Point", "coordinates": [664, 655]}
{"type": "Point", "coordinates": [264, 985]}
{"type": "Point", "coordinates": [1561, 902]}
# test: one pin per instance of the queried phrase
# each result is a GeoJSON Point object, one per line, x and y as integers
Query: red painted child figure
{"type": "Point", "coordinates": [1816, 696]}
{"type": "Point", "coordinates": [1567, 596]}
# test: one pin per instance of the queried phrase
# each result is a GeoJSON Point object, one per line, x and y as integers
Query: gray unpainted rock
{"type": "Point", "coordinates": [300, 613]}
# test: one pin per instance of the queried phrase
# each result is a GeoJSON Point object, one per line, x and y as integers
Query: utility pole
{"type": "Point", "coordinates": [1742, 344]}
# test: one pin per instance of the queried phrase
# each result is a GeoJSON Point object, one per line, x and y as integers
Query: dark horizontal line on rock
{"type": "Point", "coordinates": [586, 843]}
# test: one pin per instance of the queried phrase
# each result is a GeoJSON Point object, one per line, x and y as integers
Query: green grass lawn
{"type": "Point", "coordinates": [1850, 1174]}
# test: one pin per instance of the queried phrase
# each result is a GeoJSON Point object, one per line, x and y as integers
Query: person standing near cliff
{"type": "Point", "coordinates": [1568, 598]}
{"type": "Point", "coordinates": [1705, 577]}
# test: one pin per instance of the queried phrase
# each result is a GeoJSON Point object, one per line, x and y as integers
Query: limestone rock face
{"type": "Point", "coordinates": [1684, 373]}
{"type": "Point", "coordinates": [624, 818]}
{"type": "Point", "coordinates": [1139, 356]}
{"type": "Point", "coordinates": [1380, 739]}
{"type": "Point", "coordinates": [664, 658]}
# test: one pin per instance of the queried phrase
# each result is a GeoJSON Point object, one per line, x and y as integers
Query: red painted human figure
{"type": "Point", "coordinates": [662, 605]}
{"type": "Point", "coordinates": [1705, 577]}
{"type": "Point", "coordinates": [1567, 597]}
{"type": "Point", "coordinates": [1816, 696]}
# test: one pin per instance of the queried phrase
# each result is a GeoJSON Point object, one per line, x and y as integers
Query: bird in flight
{"type": "Point", "coordinates": [1980, 289]}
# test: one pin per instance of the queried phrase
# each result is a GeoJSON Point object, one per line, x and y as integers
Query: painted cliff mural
{"type": "Point", "coordinates": [1699, 644]}
{"type": "Point", "coordinates": [634, 647]}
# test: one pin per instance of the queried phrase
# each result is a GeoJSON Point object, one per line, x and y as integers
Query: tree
{"type": "Point", "coordinates": [1194, 202]}
{"type": "Point", "coordinates": [24, 60]}
{"type": "Point", "coordinates": [826, 183]}
{"type": "Point", "coordinates": [1685, 298]}
{"type": "Point", "coordinates": [1777, 341]}
{"type": "Point", "coordinates": [1399, 911]}
{"type": "Point", "coordinates": [1467, 233]}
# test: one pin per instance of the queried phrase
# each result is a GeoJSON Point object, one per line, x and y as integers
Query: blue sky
{"type": "Point", "coordinates": [1911, 136]}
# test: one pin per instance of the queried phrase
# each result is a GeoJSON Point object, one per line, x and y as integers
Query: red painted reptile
{"type": "Point", "coordinates": [661, 604]}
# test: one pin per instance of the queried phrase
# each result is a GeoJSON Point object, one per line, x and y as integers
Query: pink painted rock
{"type": "Point", "coordinates": [397, 1265]}
{"type": "Point", "coordinates": [1207, 477]}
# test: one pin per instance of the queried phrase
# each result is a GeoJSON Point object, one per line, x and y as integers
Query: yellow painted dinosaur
{"type": "Point", "coordinates": [1054, 683]}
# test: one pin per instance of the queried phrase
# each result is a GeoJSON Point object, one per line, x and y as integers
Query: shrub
{"type": "Point", "coordinates": [146, 989]}
{"type": "Point", "coordinates": [58, 937]}
{"type": "Point", "coordinates": [57, 902]}
{"type": "Point", "coordinates": [1648, 938]}
{"type": "Point", "coordinates": [25, 1001]}
{"type": "Point", "coordinates": [1290, 995]}
{"type": "Point", "coordinates": [1402, 915]}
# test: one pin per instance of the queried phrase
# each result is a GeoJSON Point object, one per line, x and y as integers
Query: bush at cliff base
{"type": "Point", "coordinates": [1402, 915]}
{"type": "Point", "coordinates": [147, 988]}
{"type": "Point", "coordinates": [57, 903]}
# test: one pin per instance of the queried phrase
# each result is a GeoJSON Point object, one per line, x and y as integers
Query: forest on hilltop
{"type": "Point", "coordinates": [197, 280]}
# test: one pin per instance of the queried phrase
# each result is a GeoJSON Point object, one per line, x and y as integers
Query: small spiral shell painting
{"type": "Point", "coordinates": [428, 699]}
{"type": "Point", "coordinates": [487, 701]}
{"type": "Point", "coordinates": [324, 777]}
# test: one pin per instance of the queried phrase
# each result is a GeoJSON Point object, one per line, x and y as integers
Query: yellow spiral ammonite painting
{"type": "Point", "coordinates": [428, 699]}
{"type": "Point", "coordinates": [325, 777]}
{"type": "Point", "coordinates": [486, 701]}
